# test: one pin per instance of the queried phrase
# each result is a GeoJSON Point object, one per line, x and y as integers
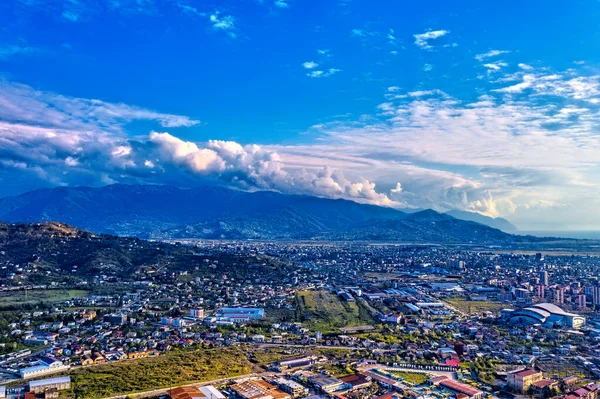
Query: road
{"type": "Point", "coordinates": [454, 309]}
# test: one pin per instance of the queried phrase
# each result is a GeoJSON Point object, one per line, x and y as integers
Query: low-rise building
{"type": "Point", "coordinates": [258, 389]}
{"type": "Point", "coordinates": [460, 388]}
{"type": "Point", "coordinates": [58, 383]}
{"type": "Point", "coordinates": [544, 386]}
{"type": "Point", "coordinates": [47, 365]}
{"type": "Point", "coordinates": [194, 392]}
{"type": "Point", "coordinates": [240, 315]}
{"type": "Point", "coordinates": [291, 364]}
{"type": "Point", "coordinates": [115, 318]}
{"type": "Point", "coordinates": [356, 381]}
{"type": "Point", "coordinates": [291, 387]}
{"type": "Point", "coordinates": [520, 381]}
{"type": "Point", "coordinates": [327, 384]}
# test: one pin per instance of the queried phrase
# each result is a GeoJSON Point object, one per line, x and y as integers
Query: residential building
{"type": "Point", "coordinates": [115, 318]}
{"type": "Point", "coordinates": [544, 280]}
{"type": "Point", "coordinates": [197, 313]}
{"type": "Point", "coordinates": [520, 381]}
{"type": "Point", "coordinates": [544, 386]}
{"type": "Point", "coordinates": [596, 295]}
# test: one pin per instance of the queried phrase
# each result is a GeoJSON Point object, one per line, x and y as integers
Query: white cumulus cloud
{"type": "Point", "coordinates": [422, 40]}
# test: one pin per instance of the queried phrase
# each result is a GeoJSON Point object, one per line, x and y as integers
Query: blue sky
{"type": "Point", "coordinates": [464, 104]}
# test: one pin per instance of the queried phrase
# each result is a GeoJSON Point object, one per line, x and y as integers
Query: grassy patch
{"type": "Point", "coordinates": [281, 315]}
{"type": "Point", "coordinates": [563, 369]}
{"type": "Point", "coordinates": [326, 312]}
{"type": "Point", "coordinates": [32, 297]}
{"type": "Point", "coordinates": [466, 306]}
{"type": "Point", "coordinates": [333, 353]}
{"type": "Point", "coordinates": [170, 369]}
{"type": "Point", "coordinates": [338, 370]}
{"type": "Point", "coordinates": [412, 378]}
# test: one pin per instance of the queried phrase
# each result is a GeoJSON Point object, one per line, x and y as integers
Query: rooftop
{"type": "Point", "coordinates": [541, 384]}
{"type": "Point", "coordinates": [48, 381]}
{"type": "Point", "coordinates": [355, 379]}
{"type": "Point", "coordinates": [459, 387]}
{"type": "Point", "coordinates": [526, 372]}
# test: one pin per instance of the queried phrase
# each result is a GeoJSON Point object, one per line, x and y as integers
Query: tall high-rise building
{"type": "Point", "coordinates": [558, 294]}
{"type": "Point", "coordinates": [544, 280]}
{"type": "Point", "coordinates": [596, 295]}
{"type": "Point", "coordinates": [540, 291]}
{"type": "Point", "coordinates": [456, 264]}
{"type": "Point", "coordinates": [581, 302]}
{"type": "Point", "coordinates": [521, 293]}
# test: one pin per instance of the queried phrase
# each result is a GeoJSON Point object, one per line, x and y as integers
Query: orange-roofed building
{"type": "Point", "coordinates": [194, 392]}
{"type": "Point", "coordinates": [258, 389]}
{"type": "Point", "coordinates": [522, 380]}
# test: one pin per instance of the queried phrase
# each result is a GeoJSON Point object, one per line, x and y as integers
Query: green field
{"type": "Point", "coordinates": [338, 370]}
{"type": "Point", "coordinates": [33, 297]}
{"type": "Point", "coordinates": [466, 306]}
{"type": "Point", "coordinates": [333, 353]}
{"type": "Point", "coordinates": [412, 378]}
{"type": "Point", "coordinates": [324, 311]}
{"type": "Point", "coordinates": [170, 369]}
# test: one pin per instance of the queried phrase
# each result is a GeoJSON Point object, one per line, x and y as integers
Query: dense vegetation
{"type": "Point", "coordinates": [41, 253]}
{"type": "Point", "coordinates": [412, 378]}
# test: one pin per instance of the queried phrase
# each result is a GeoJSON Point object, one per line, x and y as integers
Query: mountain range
{"type": "Point", "coordinates": [214, 212]}
{"type": "Point", "coordinates": [497, 223]}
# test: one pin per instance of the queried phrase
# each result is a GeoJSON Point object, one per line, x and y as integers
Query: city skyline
{"type": "Point", "coordinates": [446, 106]}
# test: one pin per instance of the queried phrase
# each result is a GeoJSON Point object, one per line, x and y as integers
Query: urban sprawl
{"type": "Point", "coordinates": [302, 320]}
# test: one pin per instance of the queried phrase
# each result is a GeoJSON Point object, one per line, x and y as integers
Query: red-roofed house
{"type": "Point", "coordinates": [460, 388]}
{"type": "Point", "coordinates": [390, 395]}
{"type": "Point", "coordinates": [544, 385]}
{"type": "Point", "coordinates": [357, 381]}
{"type": "Point", "coordinates": [521, 380]}
{"type": "Point", "coordinates": [437, 380]}
{"type": "Point", "coordinates": [452, 362]}
{"type": "Point", "coordinates": [589, 391]}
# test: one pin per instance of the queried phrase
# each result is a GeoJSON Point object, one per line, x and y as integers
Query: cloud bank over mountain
{"type": "Point", "coordinates": [48, 139]}
{"type": "Point", "coordinates": [525, 149]}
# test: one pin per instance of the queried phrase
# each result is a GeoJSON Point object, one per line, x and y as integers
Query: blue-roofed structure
{"type": "Point", "coordinates": [240, 315]}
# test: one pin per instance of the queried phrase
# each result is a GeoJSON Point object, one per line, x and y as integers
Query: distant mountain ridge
{"type": "Point", "coordinates": [497, 223]}
{"type": "Point", "coordinates": [215, 212]}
